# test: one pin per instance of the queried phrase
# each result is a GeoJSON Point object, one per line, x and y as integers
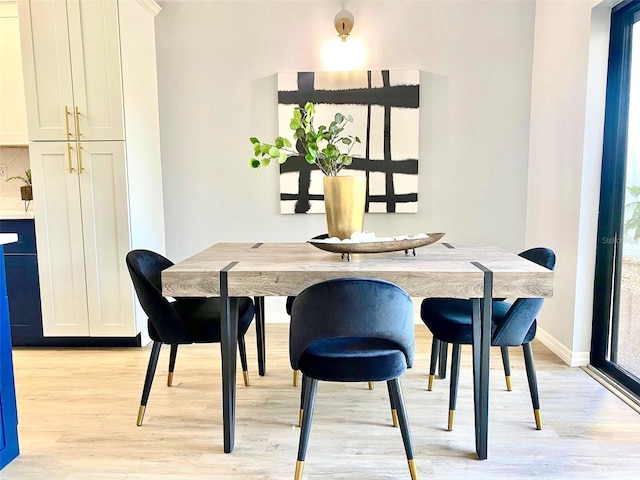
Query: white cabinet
{"type": "Point", "coordinates": [92, 110]}
{"type": "Point", "coordinates": [82, 227]}
{"type": "Point", "coordinates": [71, 61]}
{"type": "Point", "coordinates": [13, 116]}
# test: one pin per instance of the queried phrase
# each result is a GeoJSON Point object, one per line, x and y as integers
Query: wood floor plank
{"type": "Point", "coordinates": [77, 411]}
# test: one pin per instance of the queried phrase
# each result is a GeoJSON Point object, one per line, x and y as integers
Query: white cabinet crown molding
{"type": "Point", "coordinates": [150, 5]}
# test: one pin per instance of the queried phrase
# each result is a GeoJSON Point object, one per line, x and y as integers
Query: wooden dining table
{"type": "Point", "coordinates": [449, 270]}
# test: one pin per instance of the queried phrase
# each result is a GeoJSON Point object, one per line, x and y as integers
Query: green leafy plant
{"type": "Point", "coordinates": [26, 178]}
{"type": "Point", "coordinates": [633, 223]}
{"type": "Point", "coordinates": [319, 146]}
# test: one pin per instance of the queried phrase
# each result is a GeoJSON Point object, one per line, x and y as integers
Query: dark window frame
{"type": "Point", "coordinates": [610, 219]}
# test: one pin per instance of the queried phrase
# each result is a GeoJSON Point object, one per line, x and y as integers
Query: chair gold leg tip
{"type": "Point", "coordinates": [245, 376]}
{"type": "Point", "coordinates": [170, 379]}
{"type": "Point", "coordinates": [300, 417]}
{"type": "Point", "coordinates": [508, 381]}
{"type": "Point", "coordinates": [370, 385]}
{"type": "Point", "coordinates": [452, 414]}
{"type": "Point", "coordinates": [299, 467]}
{"type": "Point", "coordinates": [412, 469]}
{"type": "Point", "coordinates": [140, 415]}
{"type": "Point", "coordinates": [430, 387]}
{"type": "Point", "coordinates": [295, 378]}
{"type": "Point", "coordinates": [394, 417]}
{"type": "Point", "coordinates": [538, 416]}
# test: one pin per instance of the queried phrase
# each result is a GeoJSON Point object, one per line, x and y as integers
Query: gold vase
{"type": "Point", "coordinates": [344, 201]}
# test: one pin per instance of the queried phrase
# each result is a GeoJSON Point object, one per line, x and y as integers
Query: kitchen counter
{"type": "Point", "coordinates": [17, 215]}
{"type": "Point", "coordinates": [8, 238]}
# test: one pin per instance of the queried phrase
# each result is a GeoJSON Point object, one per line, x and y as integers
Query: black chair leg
{"type": "Point", "coordinates": [243, 360]}
{"type": "Point", "coordinates": [172, 364]}
{"type": "Point", "coordinates": [533, 383]}
{"type": "Point", "coordinates": [394, 412]}
{"type": "Point", "coordinates": [507, 366]}
{"type": "Point", "coordinates": [442, 361]}
{"type": "Point", "coordinates": [260, 335]}
{"type": "Point", "coordinates": [396, 392]}
{"type": "Point", "coordinates": [148, 380]}
{"type": "Point", "coordinates": [303, 390]}
{"type": "Point", "coordinates": [453, 384]}
{"type": "Point", "coordinates": [309, 394]}
{"type": "Point", "coordinates": [435, 352]}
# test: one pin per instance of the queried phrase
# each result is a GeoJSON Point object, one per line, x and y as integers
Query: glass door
{"type": "Point", "coordinates": [616, 325]}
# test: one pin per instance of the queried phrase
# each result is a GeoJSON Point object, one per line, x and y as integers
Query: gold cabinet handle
{"type": "Point", "coordinates": [66, 121]}
{"type": "Point", "coordinates": [79, 147]}
{"type": "Point", "coordinates": [79, 154]}
{"type": "Point", "coordinates": [77, 118]}
{"type": "Point", "coordinates": [69, 157]}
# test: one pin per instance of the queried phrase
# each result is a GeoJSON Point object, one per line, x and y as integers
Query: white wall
{"type": "Point", "coordinates": [217, 66]}
{"type": "Point", "coordinates": [567, 117]}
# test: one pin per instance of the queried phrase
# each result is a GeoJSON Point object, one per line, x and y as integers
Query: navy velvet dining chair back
{"type": "Point", "coordinates": [183, 321]}
{"type": "Point", "coordinates": [352, 330]}
{"type": "Point", "coordinates": [164, 323]}
{"type": "Point", "coordinates": [519, 323]}
{"type": "Point", "coordinates": [450, 321]}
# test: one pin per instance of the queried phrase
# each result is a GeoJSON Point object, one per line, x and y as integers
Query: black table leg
{"type": "Point", "coordinates": [229, 339]}
{"type": "Point", "coordinates": [481, 346]}
{"type": "Point", "coordinates": [260, 336]}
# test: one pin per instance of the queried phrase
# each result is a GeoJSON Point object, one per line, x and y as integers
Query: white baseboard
{"type": "Point", "coordinates": [571, 358]}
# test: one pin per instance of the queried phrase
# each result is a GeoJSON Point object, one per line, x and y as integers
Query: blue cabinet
{"type": "Point", "coordinates": [8, 412]}
{"type": "Point", "coordinates": [23, 286]}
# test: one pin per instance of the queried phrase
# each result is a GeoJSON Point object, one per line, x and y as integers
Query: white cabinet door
{"type": "Point", "coordinates": [82, 230]}
{"type": "Point", "coordinates": [71, 57]}
{"type": "Point", "coordinates": [59, 239]}
{"type": "Point", "coordinates": [95, 62]}
{"type": "Point", "coordinates": [46, 66]}
{"type": "Point", "coordinates": [13, 116]}
{"type": "Point", "coordinates": [105, 222]}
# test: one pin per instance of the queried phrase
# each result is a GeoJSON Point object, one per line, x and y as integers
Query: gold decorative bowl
{"type": "Point", "coordinates": [375, 246]}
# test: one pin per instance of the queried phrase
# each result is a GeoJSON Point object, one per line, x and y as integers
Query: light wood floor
{"type": "Point", "coordinates": [77, 410]}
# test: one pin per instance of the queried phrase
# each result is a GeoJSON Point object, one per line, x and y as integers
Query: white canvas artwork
{"type": "Point", "coordinates": [385, 107]}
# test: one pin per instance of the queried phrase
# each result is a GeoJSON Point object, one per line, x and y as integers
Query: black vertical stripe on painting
{"type": "Point", "coordinates": [367, 145]}
{"type": "Point", "coordinates": [389, 190]}
{"type": "Point", "coordinates": [303, 205]}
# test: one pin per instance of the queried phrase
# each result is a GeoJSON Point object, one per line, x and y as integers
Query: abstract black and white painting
{"type": "Point", "coordinates": [385, 109]}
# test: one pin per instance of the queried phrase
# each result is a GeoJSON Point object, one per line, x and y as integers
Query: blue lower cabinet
{"type": "Point", "coordinates": [23, 286]}
{"type": "Point", "coordinates": [23, 289]}
{"type": "Point", "coordinates": [8, 411]}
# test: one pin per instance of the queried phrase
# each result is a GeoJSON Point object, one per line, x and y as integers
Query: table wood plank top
{"type": "Point", "coordinates": [280, 269]}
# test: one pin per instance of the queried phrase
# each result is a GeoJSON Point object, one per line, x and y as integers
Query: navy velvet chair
{"type": "Point", "coordinates": [184, 321]}
{"type": "Point", "coordinates": [352, 330]}
{"type": "Point", "coordinates": [511, 325]}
